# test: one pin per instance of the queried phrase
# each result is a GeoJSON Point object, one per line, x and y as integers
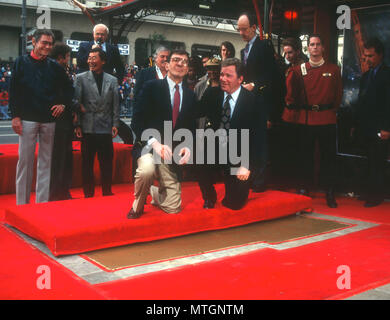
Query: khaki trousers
{"type": "Point", "coordinates": [167, 196]}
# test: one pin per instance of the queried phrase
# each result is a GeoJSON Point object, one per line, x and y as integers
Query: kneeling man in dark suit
{"type": "Point", "coordinates": [232, 114]}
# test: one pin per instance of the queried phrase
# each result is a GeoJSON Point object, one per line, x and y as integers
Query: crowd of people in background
{"type": "Point", "coordinates": [297, 97]}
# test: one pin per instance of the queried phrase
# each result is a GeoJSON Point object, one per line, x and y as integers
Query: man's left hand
{"type": "Point", "coordinates": [243, 174]}
{"type": "Point", "coordinates": [249, 86]}
{"type": "Point", "coordinates": [385, 135]}
{"type": "Point", "coordinates": [57, 110]}
{"type": "Point", "coordinates": [114, 132]}
{"type": "Point", "coordinates": [185, 154]}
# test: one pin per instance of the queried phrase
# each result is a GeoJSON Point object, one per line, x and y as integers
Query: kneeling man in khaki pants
{"type": "Point", "coordinates": [163, 106]}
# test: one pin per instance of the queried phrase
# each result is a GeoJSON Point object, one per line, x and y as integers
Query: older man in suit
{"type": "Point", "coordinates": [164, 106]}
{"type": "Point", "coordinates": [155, 72]}
{"type": "Point", "coordinates": [98, 92]}
{"type": "Point", "coordinates": [114, 62]}
{"type": "Point", "coordinates": [259, 77]}
{"type": "Point", "coordinates": [233, 109]}
{"type": "Point", "coordinates": [372, 120]}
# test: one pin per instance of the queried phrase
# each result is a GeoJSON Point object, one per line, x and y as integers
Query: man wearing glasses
{"type": "Point", "coordinates": [161, 103]}
{"type": "Point", "coordinates": [39, 92]}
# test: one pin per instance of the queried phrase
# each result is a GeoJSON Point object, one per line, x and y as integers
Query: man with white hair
{"type": "Point", "coordinates": [100, 36]}
{"type": "Point", "coordinates": [158, 71]}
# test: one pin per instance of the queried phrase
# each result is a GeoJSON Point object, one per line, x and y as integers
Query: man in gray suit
{"type": "Point", "coordinates": [97, 91]}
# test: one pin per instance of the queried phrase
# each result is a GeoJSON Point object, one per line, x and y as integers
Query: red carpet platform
{"type": "Point", "coordinates": [81, 225]}
{"type": "Point", "coordinates": [9, 159]}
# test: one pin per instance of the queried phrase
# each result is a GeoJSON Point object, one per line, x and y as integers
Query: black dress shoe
{"type": "Point", "coordinates": [259, 189]}
{"type": "Point", "coordinates": [209, 204]}
{"type": "Point", "coordinates": [330, 200]}
{"type": "Point", "coordinates": [303, 192]}
{"type": "Point", "coordinates": [133, 215]}
{"type": "Point", "coordinates": [107, 194]}
{"type": "Point", "coordinates": [373, 203]}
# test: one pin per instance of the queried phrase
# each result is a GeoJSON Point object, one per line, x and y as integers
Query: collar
{"type": "Point", "coordinates": [172, 83]}
{"type": "Point", "coordinates": [317, 64]}
{"type": "Point", "coordinates": [35, 57]}
{"type": "Point", "coordinates": [234, 95]}
{"type": "Point", "coordinates": [252, 40]}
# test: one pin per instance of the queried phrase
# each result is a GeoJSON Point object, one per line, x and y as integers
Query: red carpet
{"type": "Point", "coordinates": [81, 225]}
{"type": "Point", "coordinates": [18, 274]}
{"type": "Point", "coordinates": [121, 166]}
{"type": "Point", "coordinates": [307, 272]}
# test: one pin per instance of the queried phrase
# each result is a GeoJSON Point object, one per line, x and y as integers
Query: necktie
{"type": "Point", "coordinates": [246, 53]}
{"type": "Point", "coordinates": [176, 105]}
{"type": "Point", "coordinates": [226, 112]}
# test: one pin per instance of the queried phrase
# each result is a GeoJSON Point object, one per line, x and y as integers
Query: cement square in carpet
{"type": "Point", "coordinates": [272, 232]}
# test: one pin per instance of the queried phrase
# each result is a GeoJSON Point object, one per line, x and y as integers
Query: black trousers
{"type": "Point", "coordinates": [62, 164]}
{"type": "Point", "coordinates": [100, 144]}
{"type": "Point", "coordinates": [236, 191]}
{"type": "Point", "coordinates": [377, 152]}
{"type": "Point", "coordinates": [325, 136]}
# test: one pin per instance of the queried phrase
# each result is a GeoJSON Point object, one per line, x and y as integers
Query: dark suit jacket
{"type": "Point", "coordinates": [262, 70]}
{"type": "Point", "coordinates": [154, 107]}
{"type": "Point", "coordinates": [373, 108]}
{"type": "Point", "coordinates": [245, 116]}
{"type": "Point", "coordinates": [113, 59]}
{"type": "Point", "coordinates": [143, 76]}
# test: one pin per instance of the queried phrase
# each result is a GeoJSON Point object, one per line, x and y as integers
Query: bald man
{"type": "Point", "coordinates": [100, 36]}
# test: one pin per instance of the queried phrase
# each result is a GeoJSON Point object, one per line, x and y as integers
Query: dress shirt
{"type": "Point", "coordinates": [103, 46]}
{"type": "Point", "coordinates": [233, 100]}
{"type": "Point", "coordinates": [250, 43]}
{"type": "Point", "coordinates": [159, 73]}
{"type": "Point", "coordinates": [172, 90]}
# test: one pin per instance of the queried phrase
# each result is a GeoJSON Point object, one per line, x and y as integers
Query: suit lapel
{"type": "Point", "coordinates": [93, 83]}
{"type": "Point", "coordinates": [238, 106]}
{"type": "Point", "coordinates": [166, 98]}
{"type": "Point", "coordinates": [105, 85]}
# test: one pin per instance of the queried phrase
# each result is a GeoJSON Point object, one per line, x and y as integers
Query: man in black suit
{"type": "Point", "coordinates": [163, 107]}
{"type": "Point", "coordinates": [259, 77]}
{"type": "Point", "coordinates": [372, 120]}
{"type": "Point", "coordinates": [100, 35]}
{"type": "Point", "coordinates": [157, 71]}
{"type": "Point", "coordinates": [231, 108]}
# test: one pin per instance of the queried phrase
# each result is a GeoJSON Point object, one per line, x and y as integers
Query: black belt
{"type": "Point", "coordinates": [318, 107]}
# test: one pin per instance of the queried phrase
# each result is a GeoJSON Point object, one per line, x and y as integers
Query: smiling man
{"type": "Point", "coordinates": [162, 101]}
{"type": "Point", "coordinates": [97, 91]}
{"type": "Point", "coordinates": [231, 108]}
{"type": "Point", "coordinates": [39, 92]}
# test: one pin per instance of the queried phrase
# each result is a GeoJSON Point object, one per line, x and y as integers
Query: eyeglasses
{"type": "Point", "coordinates": [182, 60]}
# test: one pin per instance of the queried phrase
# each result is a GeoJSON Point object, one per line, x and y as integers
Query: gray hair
{"type": "Point", "coordinates": [100, 25]}
{"type": "Point", "coordinates": [158, 50]}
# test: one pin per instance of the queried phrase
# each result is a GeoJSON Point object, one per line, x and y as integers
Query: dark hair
{"type": "Point", "coordinates": [40, 32]}
{"type": "Point", "coordinates": [102, 54]}
{"type": "Point", "coordinates": [180, 52]}
{"type": "Point", "coordinates": [314, 35]}
{"type": "Point", "coordinates": [293, 43]}
{"type": "Point", "coordinates": [59, 50]}
{"type": "Point", "coordinates": [375, 43]}
{"type": "Point", "coordinates": [234, 62]}
{"type": "Point", "coordinates": [230, 48]}
{"type": "Point", "coordinates": [251, 17]}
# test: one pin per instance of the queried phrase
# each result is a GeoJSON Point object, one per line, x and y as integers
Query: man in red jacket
{"type": "Point", "coordinates": [315, 89]}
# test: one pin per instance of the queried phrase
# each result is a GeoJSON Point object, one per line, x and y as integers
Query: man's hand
{"type": "Point", "coordinates": [17, 125]}
{"type": "Point", "coordinates": [114, 132]}
{"type": "Point", "coordinates": [385, 135]}
{"type": "Point", "coordinates": [243, 174]}
{"type": "Point", "coordinates": [78, 132]}
{"type": "Point", "coordinates": [162, 150]}
{"type": "Point", "coordinates": [95, 46]}
{"type": "Point", "coordinates": [82, 109]}
{"type": "Point", "coordinates": [57, 110]}
{"type": "Point", "coordinates": [249, 86]}
{"type": "Point", "coordinates": [185, 154]}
